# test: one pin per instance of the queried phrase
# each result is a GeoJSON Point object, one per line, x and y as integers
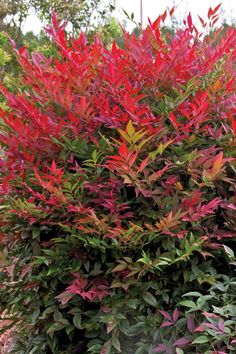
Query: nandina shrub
{"type": "Point", "coordinates": [118, 194]}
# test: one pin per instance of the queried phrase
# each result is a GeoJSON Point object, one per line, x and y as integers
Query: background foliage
{"type": "Point", "coordinates": [82, 14]}
{"type": "Point", "coordinates": [118, 194]}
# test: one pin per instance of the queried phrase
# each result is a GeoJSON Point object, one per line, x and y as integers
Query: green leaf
{"type": "Point", "coordinates": [130, 128]}
{"type": "Point", "coordinates": [77, 320]}
{"type": "Point", "coordinates": [119, 268]}
{"type": "Point", "coordinates": [35, 316]}
{"type": "Point", "coordinates": [229, 251]}
{"type": "Point", "coordinates": [57, 326]}
{"type": "Point", "coordinates": [116, 343]}
{"type": "Point", "coordinates": [187, 303]}
{"type": "Point", "coordinates": [200, 340]}
{"type": "Point", "coordinates": [116, 284]}
{"type": "Point", "coordinates": [140, 351]}
{"type": "Point", "coordinates": [133, 303]}
{"type": "Point", "coordinates": [68, 185]}
{"type": "Point", "coordinates": [201, 301]}
{"type": "Point", "coordinates": [150, 299]}
{"type": "Point", "coordinates": [218, 310]}
{"type": "Point", "coordinates": [193, 293]}
{"type": "Point", "coordinates": [96, 348]}
{"type": "Point", "coordinates": [35, 233]}
{"type": "Point", "coordinates": [179, 351]}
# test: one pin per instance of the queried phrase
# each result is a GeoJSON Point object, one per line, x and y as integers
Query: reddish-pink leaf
{"type": "Point", "coordinates": [123, 150]}
{"type": "Point", "coordinates": [175, 315]}
{"type": "Point", "coordinates": [65, 297]}
{"type": "Point", "coordinates": [160, 348]}
{"type": "Point", "coordinates": [163, 16]}
{"type": "Point", "coordinates": [209, 325]}
{"type": "Point", "coordinates": [234, 126]}
{"type": "Point", "coordinates": [210, 13]}
{"type": "Point", "coordinates": [174, 121]}
{"type": "Point", "coordinates": [202, 21]}
{"type": "Point", "coordinates": [166, 315]}
{"type": "Point", "coordinates": [32, 284]}
{"type": "Point", "coordinates": [216, 9]}
{"type": "Point", "coordinates": [25, 270]}
{"type": "Point", "coordinates": [53, 166]}
{"type": "Point", "coordinates": [199, 329]}
{"type": "Point", "coordinates": [171, 11]}
{"type": "Point", "coordinates": [210, 315]}
{"type": "Point", "coordinates": [221, 325]}
{"type": "Point", "coordinates": [143, 164]}
{"type": "Point", "coordinates": [181, 342]}
{"type": "Point", "coordinates": [190, 22]}
{"type": "Point", "coordinates": [154, 176]}
{"type": "Point", "coordinates": [166, 324]}
{"type": "Point", "coordinates": [191, 325]}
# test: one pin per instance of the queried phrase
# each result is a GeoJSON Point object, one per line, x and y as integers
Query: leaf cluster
{"type": "Point", "coordinates": [117, 194]}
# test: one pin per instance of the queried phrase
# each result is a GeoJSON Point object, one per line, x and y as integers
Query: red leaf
{"type": "Point", "coordinates": [216, 9]}
{"type": "Point", "coordinates": [163, 16]}
{"type": "Point", "coordinates": [160, 348]}
{"type": "Point", "coordinates": [174, 121]}
{"type": "Point", "coordinates": [104, 351]}
{"type": "Point", "coordinates": [143, 164]}
{"type": "Point", "coordinates": [210, 315]}
{"type": "Point", "coordinates": [221, 325]}
{"type": "Point", "coordinates": [54, 19]}
{"type": "Point", "coordinates": [25, 270]}
{"type": "Point", "coordinates": [166, 324]}
{"type": "Point", "coordinates": [202, 210]}
{"type": "Point", "coordinates": [234, 126]}
{"type": "Point", "coordinates": [181, 342]}
{"type": "Point", "coordinates": [84, 288]}
{"type": "Point", "coordinates": [123, 150]}
{"type": "Point", "coordinates": [175, 315]}
{"type": "Point", "coordinates": [166, 315]}
{"type": "Point", "coordinates": [214, 21]}
{"type": "Point", "coordinates": [202, 21]}
{"type": "Point", "coordinates": [172, 11]}
{"type": "Point", "coordinates": [32, 284]}
{"type": "Point", "coordinates": [209, 13]}
{"type": "Point", "coordinates": [199, 329]}
{"type": "Point", "coordinates": [191, 325]}
{"type": "Point", "coordinates": [65, 297]}
{"type": "Point", "coordinates": [190, 22]}
{"type": "Point", "coordinates": [154, 176]}
{"type": "Point", "coordinates": [192, 200]}
{"type": "Point", "coordinates": [53, 166]}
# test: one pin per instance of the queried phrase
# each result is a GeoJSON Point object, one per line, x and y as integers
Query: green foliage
{"type": "Point", "coordinates": [110, 31]}
{"type": "Point", "coordinates": [82, 14]}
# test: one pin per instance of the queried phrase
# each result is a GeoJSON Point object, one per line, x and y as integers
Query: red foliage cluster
{"type": "Point", "coordinates": [157, 93]}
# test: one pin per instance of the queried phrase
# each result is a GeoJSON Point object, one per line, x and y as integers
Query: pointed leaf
{"type": "Point", "coordinates": [181, 342]}
{"type": "Point", "coordinates": [175, 315]}
{"type": "Point", "coordinates": [150, 299]}
{"type": "Point", "coordinates": [200, 340]}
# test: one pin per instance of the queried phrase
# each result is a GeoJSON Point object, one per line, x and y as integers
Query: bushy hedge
{"type": "Point", "coordinates": [118, 194]}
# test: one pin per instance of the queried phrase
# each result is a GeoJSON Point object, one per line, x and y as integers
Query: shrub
{"type": "Point", "coordinates": [118, 195]}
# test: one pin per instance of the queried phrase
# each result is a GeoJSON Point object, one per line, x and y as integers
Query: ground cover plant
{"type": "Point", "coordinates": [118, 194]}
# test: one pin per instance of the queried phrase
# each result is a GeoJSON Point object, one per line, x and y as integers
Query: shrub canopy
{"type": "Point", "coordinates": [118, 194]}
